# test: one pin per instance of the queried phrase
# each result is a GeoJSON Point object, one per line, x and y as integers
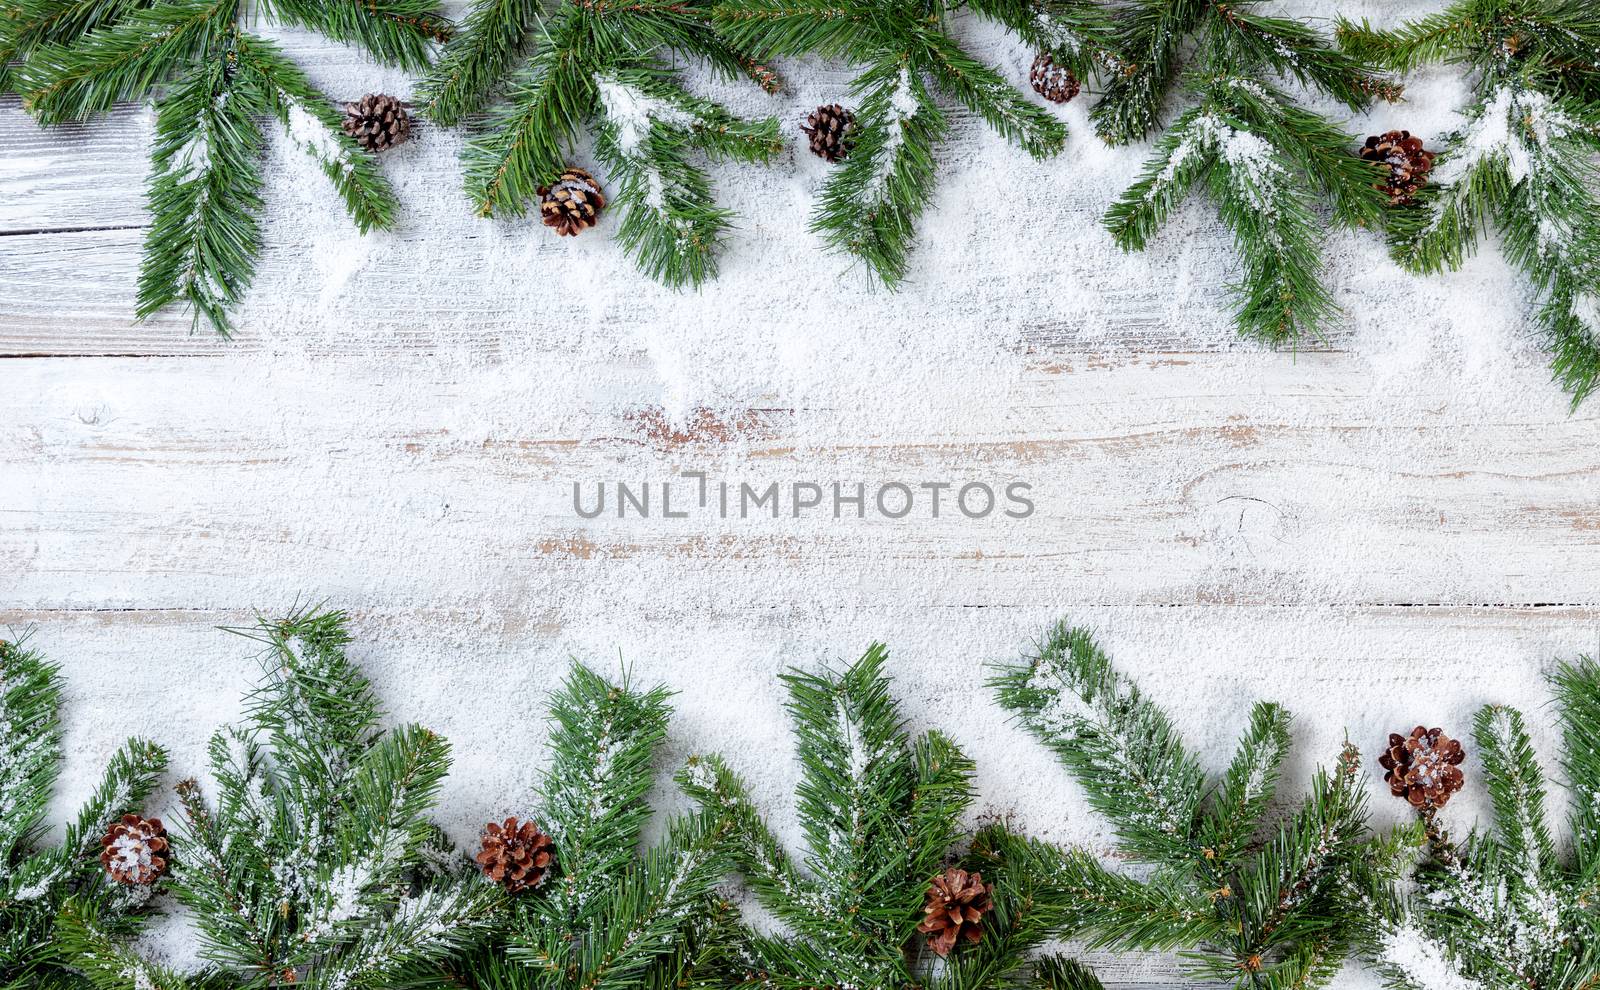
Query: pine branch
{"type": "Point", "coordinates": [648, 126]}
{"type": "Point", "coordinates": [481, 54]}
{"type": "Point", "coordinates": [204, 190]}
{"type": "Point", "coordinates": [314, 866]}
{"type": "Point", "coordinates": [1077, 33]}
{"type": "Point", "coordinates": [870, 205]}
{"type": "Point", "coordinates": [1248, 787]}
{"type": "Point", "coordinates": [1577, 686]}
{"type": "Point", "coordinates": [314, 127]}
{"type": "Point", "coordinates": [210, 83]}
{"type": "Point", "coordinates": [35, 881]}
{"type": "Point", "coordinates": [1523, 165]}
{"type": "Point", "coordinates": [1515, 784]}
{"type": "Point", "coordinates": [1294, 50]}
{"type": "Point", "coordinates": [25, 25]}
{"type": "Point", "coordinates": [1118, 744]}
{"type": "Point", "coordinates": [593, 795]}
{"type": "Point", "coordinates": [123, 61]}
{"type": "Point", "coordinates": [399, 32]}
{"type": "Point", "coordinates": [982, 90]}
{"type": "Point", "coordinates": [1281, 914]}
{"type": "Point", "coordinates": [107, 962]}
{"type": "Point", "coordinates": [1149, 35]}
{"type": "Point", "coordinates": [602, 65]}
{"type": "Point", "coordinates": [881, 815]}
{"type": "Point", "coordinates": [758, 855]}
{"type": "Point", "coordinates": [30, 748]}
{"type": "Point", "coordinates": [612, 917]}
{"type": "Point", "coordinates": [1443, 37]}
{"type": "Point", "coordinates": [792, 28]}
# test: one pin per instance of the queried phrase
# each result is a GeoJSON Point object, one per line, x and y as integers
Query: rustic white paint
{"type": "Point", "coordinates": [1400, 524]}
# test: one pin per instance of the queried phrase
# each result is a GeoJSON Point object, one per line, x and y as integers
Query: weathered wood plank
{"type": "Point", "coordinates": [1210, 478]}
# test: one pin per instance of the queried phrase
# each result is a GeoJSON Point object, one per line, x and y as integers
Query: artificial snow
{"type": "Point", "coordinates": [395, 432]}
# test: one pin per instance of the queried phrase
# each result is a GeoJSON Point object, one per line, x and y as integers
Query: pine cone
{"type": "Point", "coordinates": [1423, 767]}
{"type": "Point", "coordinates": [955, 906]}
{"type": "Point", "coordinates": [134, 851]}
{"type": "Point", "coordinates": [1055, 83]}
{"type": "Point", "coordinates": [516, 856]}
{"type": "Point", "coordinates": [572, 203]}
{"type": "Point", "coordinates": [1409, 164]}
{"type": "Point", "coordinates": [377, 122]}
{"type": "Point", "coordinates": [832, 130]}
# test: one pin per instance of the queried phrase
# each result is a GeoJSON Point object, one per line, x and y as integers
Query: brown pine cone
{"type": "Point", "coordinates": [832, 130]}
{"type": "Point", "coordinates": [1424, 767]}
{"type": "Point", "coordinates": [1055, 83]}
{"type": "Point", "coordinates": [134, 851]}
{"type": "Point", "coordinates": [954, 909]}
{"type": "Point", "coordinates": [377, 122]}
{"type": "Point", "coordinates": [516, 856]}
{"type": "Point", "coordinates": [572, 203]}
{"type": "Point", "coordinates": [1409, 164]}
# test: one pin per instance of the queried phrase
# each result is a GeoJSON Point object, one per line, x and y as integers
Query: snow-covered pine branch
{"type": "Point", "coordinates": [1523, 165]}
{"type": "Point", "coordinates": [36, 880]}
{"type": "Point", "coordinates": [881, 811]}
{"type": "Point", "coordinates": [649, 126]}
{"type": "Point", "coordinates": [1503, 907]}
{"type": "Point", "coordinates": [204, 188]}
{"type": "Point", "coordinates": [309, 869]}
{"type": "Point", "coordinates": [588, 907]}
{"type": "Point", "coordinates": [1281, 906]}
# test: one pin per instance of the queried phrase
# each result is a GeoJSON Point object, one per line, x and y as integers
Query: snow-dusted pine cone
{"type": "Point", "coordinates": [832, 131]}
{"type": "Point", "coordinates": [571, 204]}
{"type": "Point", "coordinates": [1424, 767]}
{"type": "Point", "coordinates": [134, 851]}
{"type": "Point", "coordinates": [954, 909]}
{"type": "Point", "coordinates": [1408, 161]}
{"type": "Point", "coordinates": [377, 122]}
{"type": "Point", "coordinates": [1055, 83]}
{"type": "Point", "coordinates": [517, 856]}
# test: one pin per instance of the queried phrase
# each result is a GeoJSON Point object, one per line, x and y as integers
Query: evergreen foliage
{"type": "Point", "coordinates": [881, 812]}
{"type": "Point", "coordinates": [35, 880]}
{"type": "Point", "coordinates": [1523, 165]}
{"type": "Point", "coordinates": [1248, 897]}
{"type": "Point", "coordinates": [1502, 911]}
{"type": "Point", "coordinates": [605, 66]}
{"type": "Point", "coordinates": [315, 865]}
{"type": "Point", "coordinates": [611, 915]}
{"type": "Point", "coordinates": [1263, 159]}
{"type": "Point", "coordinates": [908, 55]}
{"type": "Point", "coordinates": [212, 82]}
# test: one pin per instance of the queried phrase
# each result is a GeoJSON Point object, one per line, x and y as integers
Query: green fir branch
{"type": "Point", "coordinates": [604, 67]}
{"type": "Point", "coordinates": [1523, 164]}
{"type": "Point", "coordinates": [881, 812]}
{"type": "Point", "coordinates": [36, 880]}
{"type": "Point", "coordinates": [204, 192]}
{"type": "Point", "coordinates": [870, 205]}
{"type": "Point", "coordinates": [1501, 908]}
{"type": "Point", "coordinates": [313, 866]}
{"type": "Point", "coordinates": [1118, 744]}
{"type": "Point", "coordinates": [613, 915]}
{"type": "Point", "coordinates": [26, 25]}
{"type": "Point", "coordinates": [1265, 158]}
{"type": "Point", "coordinates": [1275, 913]}
{"type": "Point", "coordinates": [210, 83]}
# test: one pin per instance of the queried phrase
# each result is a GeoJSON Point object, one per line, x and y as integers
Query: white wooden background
{"type": "Point", "coordinates": [1396, 525]}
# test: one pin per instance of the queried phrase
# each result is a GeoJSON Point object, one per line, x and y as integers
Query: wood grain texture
{"type": "Point", "coordinates": [399, 426]}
